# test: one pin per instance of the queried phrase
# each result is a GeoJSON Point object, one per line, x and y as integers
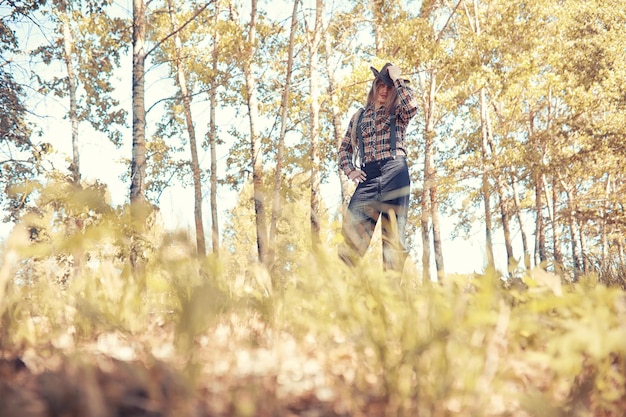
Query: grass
{"type": "Point", "coordinates": [328, 340]}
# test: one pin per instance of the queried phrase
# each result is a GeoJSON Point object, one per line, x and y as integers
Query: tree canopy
{"type": "Point", "coordinates": [520, 126]}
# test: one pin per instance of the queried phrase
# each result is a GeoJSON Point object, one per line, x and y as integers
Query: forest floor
{"type": "Point", "coordinates": [236, 369]}
{"type": "Point", "coordinates": [525, 359]}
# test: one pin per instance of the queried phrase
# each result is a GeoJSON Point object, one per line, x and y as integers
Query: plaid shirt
{"type": "Point", "coordinates": [375, 128]}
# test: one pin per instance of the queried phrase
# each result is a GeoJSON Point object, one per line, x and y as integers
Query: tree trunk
{"type": "Point", "coordinates": [505, 217]}
{"type": "Point", "coordinates": [429, 135]}
{"type": "Point", "coordinates": [191, 131]}
{"type": "Point", "coordinates": [276, 203]}
{"type": "Point", "coordinates": [573, 231]}
{"type": "Point", "coordinates": [215, 231]}
{"type": "Point", "coordinates": [344, 182]}
{"type": "Point", "coordinates": [255, 142]}
{"type": "Point", "coordinates": [604, 228]}
{"type": "Point", "coordinates": [437, 242]}
{"type": "Point", "coordinates": [74, 226]}
{"type": "Point", "coordinates": [583, 245]}
{"type": "Point", "coordinates": [138, 163]}
{"type": "Point", "coordinates": [68, 47]}
{"type": "Point", "coordinates": [539, 253]}
{"type": "Point", "coordinates": [556, 232]}
{"type": "Point", "coordinates": [377, 26]}
{"type": "Point", "coordinates": [500, 192]}
{"type": "Point", "coordinates": [314, 43]}
{"type": "Point", "coordinates": [540, 237]}
{"type": "Point", "coordinates": [486, 189]}
{"type": "Point", "coordinates": [518, 214]}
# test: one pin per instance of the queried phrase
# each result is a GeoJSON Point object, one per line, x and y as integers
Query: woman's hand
{"type": "Point", "coordinates": [357, 176]}
{"type": "Point", "coordinates": [394, 72]}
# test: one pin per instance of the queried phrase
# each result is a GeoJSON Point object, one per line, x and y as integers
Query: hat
{"type": "Point", "coordinates": [383, 75]}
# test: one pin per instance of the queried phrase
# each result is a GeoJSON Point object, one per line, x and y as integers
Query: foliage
{"type": "Point", "coordinates": [365, 341]}
{"type": "Point", "coordinates": [98, 44]}
{"type": "Point", "coordinates": [20, 155]}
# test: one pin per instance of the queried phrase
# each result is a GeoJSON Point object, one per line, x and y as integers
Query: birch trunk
{"type": "Point", "coordinates": [215, 231]}
{"type": "Point", "coordinates": [486, 189]}
{"type": "Point", "coordinates": [138, 163]}
{"type": "Point", "coordinates": [276, 203]}
{"type": "Point", "coordinates": [502, 200]}
{"type": "Point", "coordinates": [314, 44]}
{"type": "Point", "coordinates": [540, 237]}
{"type": "Point", "coordinates": [191, 131]}
{"type": "Point", "coordinates": [68, 49]}
{"type": "Point", "coordinates": [344, 182]}
{"type": "Point", "coordinates": [255, 142]}
{"type": "Point", "coordinates": [518, 214]}
{"type": "Point", "coordinates": [429, 134]}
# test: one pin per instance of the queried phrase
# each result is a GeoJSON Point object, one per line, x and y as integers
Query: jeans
{"type": "Point", "coordinates": [384, 194]}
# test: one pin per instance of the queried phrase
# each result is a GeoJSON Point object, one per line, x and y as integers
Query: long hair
{"type": "Point", "coordinates": [392, 98]}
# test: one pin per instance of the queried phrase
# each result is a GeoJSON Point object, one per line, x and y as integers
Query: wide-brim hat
{"type": "Point", "coordinates": [383, 74]}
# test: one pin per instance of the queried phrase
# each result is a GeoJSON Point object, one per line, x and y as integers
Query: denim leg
{"type": "Point", "coordinates": [395, 197]}
{"type": "Point", "coordinates": [384, 194]}
{"type": "Point", "coordinates": [359, 222]}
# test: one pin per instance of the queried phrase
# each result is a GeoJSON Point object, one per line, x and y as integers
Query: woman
{"type": "Point", "coordinates": [376, 162]}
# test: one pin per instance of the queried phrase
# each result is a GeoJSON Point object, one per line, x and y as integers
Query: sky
{"type": "Point", "coordinates": [102, 161]}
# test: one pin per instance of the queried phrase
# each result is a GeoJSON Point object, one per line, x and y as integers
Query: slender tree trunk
{"type": "Point", "coordinates": [505, 215]}
{"type": "Point", "coordinates": [255, 142]}
{"type": "Point", "coordinates": [344, 182]}
{"type": "Point", "coordinates": [138, 162]}
{"type": "Point", "coordinates": [215, 231]}
{"type": "Point", "coordinates": [486, 189]}
{"type": "Point", "coordinates": [377, 26]}
{"type": "Point", "coordinates": [68, 52]}
{"type": "Point", "coordinates": [191, 131]}
{"type": "Point", "coordinates": [540, 237]}
{"type": "Point", "coordinates": [518, 214]}
{"type": "Point", "coordinates": [556, 233]}
{"type": "Point", "coordinates": [539, 252]}
{"type": "Point", "coordinates": [429, 173]}
{"type": "Point", "coordinates": [604, 228]}
{"type": "Point", "coordinates": [437, 242]}
{"type": "Point", "coordinates": [276, 203]}
{"type": "Point", "coordinates": [74, 223]}
{"type": "Point", "coordinates": [573, 231]}
{"type": "Point", "coordinates": [485, 140]}
{"type": "Point", "coordinates": [314, 44]}
{"type": "Point", "coordinates": [583, 245]}
{"type": "Point", "coordinates": [425, 229]}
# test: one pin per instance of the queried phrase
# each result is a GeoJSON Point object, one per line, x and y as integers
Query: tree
{"type": "Point", "coordinates": [20, 157]}
{"type": "Point", "coordinates": [276, 202]}
{"type": "Point", "coordinates": [314, 42]}
{"type": "Point", "coordinates": [212, 133]}
{"type": "Point", "coordinates": [138, 200]}
{"type": "Point", "coordinates": [186, 99]}
{"type": "Point", "coordinates": [255, 142]}
{"type": "Point", "coordinates": [433, 71]}
{"type": "Point", "coordinates": [90, 44]}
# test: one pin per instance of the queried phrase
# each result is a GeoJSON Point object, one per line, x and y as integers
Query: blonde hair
{"type": "Point", "coordinates": [392, 98]}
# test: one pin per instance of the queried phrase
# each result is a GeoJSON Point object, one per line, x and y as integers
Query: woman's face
{"type": "Point", "coordinates": [382, 92]}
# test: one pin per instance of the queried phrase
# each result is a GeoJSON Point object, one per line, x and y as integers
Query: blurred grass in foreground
{"type": "Point", "coordinates": [385, 344]}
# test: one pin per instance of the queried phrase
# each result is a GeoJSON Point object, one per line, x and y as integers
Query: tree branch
{"type": "Point", "coordinates": [191, 19]}
{"type": "Point", "coordinates": [448, 21]}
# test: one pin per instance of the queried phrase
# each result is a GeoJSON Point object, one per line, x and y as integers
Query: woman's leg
{"type": "Point", "coordinates": [395, 197]}
{"type": "Point", "coordinates": [359, 222]}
